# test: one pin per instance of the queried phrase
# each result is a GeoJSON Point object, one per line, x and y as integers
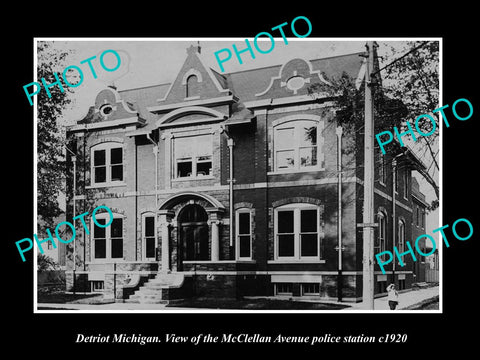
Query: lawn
{"type": "Point", "coordinates": [60, 297]}
{"type": "Point", "coordinates": [256, 304]}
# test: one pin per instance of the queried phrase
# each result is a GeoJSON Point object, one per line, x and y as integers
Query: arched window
{"type": "Point", "coordinates": [382, 232]}
{"type": "Point", "coordinates": [106, 163]}
{"type": "Point", "coordinates": [401, 236]}
{"type": "Point", "coordinates": [191, 86]}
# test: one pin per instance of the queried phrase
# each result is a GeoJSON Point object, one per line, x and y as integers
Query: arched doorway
{"type": "Point", "coordinates": [193, 226]}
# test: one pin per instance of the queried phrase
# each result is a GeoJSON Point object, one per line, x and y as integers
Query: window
{"type": "Point", "coordinates": [417, 220]}
{"type": "Point", "coordinates": [382, 169]}
{"type": "Point", "coordinates": [396, 179]}
{"type": "Point", "coordinates": [401, 237]}
{"type": "Point", "coordinates": [295, 145]}
{"type": "Point", "coordinates": [191, 86]}
{"type": "Point", "coordinates": [296, 232]}
{"type": "Point", "coordinates": [405, 184]}
{"type": "Point", "coordinates": [283, 289]}
{"type": "Point", "coordinates": [310, 289]}
{"type": "Point", "coordinates": [108, 241]}
{"type": "Point", "coordinates": [244, 234]}
{"type": "Point", "coordinates": [96, 285]}
{"type": "Point", "coordinates": [193, 156]}
{"type": "Point", "coordinates": [423, 218]}
{"type": "Point", "coordinates": [382, 233]}
{"type": "Point", "coordinates": [149, 240]}
{"type": "Point", "coordinates": [107, 163]}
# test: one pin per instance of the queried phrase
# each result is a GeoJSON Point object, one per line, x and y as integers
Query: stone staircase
{"type": "Point", "coordinates": [163, 289]}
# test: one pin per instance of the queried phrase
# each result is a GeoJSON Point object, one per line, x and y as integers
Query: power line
{"type": "Point", "coordinates": [401, 57]}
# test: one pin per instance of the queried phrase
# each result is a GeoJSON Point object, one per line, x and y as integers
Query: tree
{"type": "Point", "coordinates": [45, 263]}
{"type": "Point", "coordinates": [51, 141]}
{"type": "Point", "coordinates": [414, 78]}
{"type": "Point", "coordinates": [403, 89]}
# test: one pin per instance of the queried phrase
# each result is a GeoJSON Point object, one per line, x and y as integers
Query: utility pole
{"type": "Point", "coordinates": [368, 206]}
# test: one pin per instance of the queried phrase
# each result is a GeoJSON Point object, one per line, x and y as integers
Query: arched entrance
{"type": "Point", "coordinates": [193, 234]}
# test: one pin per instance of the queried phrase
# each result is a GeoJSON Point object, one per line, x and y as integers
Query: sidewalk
{"type": "Point", "coordinates": [406, 300]}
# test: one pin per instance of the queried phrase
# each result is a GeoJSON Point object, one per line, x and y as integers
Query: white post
{"type": "Point", "coordinates": [165, 216]}
{"type": "Point", "coordinates": [368, 206]}
{"type": "Point", "coordinates": [215, 241]}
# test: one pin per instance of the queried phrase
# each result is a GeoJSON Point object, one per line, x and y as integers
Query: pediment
{"type": "Point", "coordinates": [190, 115]}
{"type": "Point", "coordinates": [293, 78]}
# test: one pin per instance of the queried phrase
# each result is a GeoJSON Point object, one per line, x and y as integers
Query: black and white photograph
{"type": "Point", "coordinates": [240, 190]}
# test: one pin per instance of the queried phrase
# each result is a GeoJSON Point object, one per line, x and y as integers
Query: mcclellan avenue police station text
{"type": "Point", "coordinates": [239, 338]}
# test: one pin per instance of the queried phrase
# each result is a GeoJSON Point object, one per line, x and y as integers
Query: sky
{"type": "Point", "coordinates": [146, 62]}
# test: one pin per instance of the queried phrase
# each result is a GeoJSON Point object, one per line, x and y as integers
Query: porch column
{"type": "Point", "coordinates": [165, 217]}
{"type": "Point", "coordinates": [215, 240]}
{"type": "Point", "coordinates": [214, 215]}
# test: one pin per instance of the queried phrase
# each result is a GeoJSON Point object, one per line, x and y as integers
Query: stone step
{"type": "Point", "coordinates": [151, 291]}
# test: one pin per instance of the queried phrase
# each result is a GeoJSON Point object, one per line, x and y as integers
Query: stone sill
{"type": "Point", "coordinates": [106, 185]}
{"type": "Point", "coordinates": [296, 261]}
{"type": "Point", "coordinates": [219, 262]}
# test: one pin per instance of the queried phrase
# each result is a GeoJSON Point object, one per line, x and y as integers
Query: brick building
{"type": "Point", "coordinates": [227, 185]}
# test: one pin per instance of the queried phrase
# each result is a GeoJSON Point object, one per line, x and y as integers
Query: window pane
{"type": "Point", "coordinates": [308, 156]}
{"type": "Point", "coordinates": [284, 138]}
{"type": "Point", "coordinates": [149, 226]}
{"type": "Point", "coordinates": [285, 159]}
{"type": "Point", "coordinates": [308, 221]}
{"type": "Point", "coordinates": [116, 156]}
{"type": "Point", "coordinates": [244, 223]}
{"type": "Point", "coordinates": [100, 249]}
{"type": "Point", "coordinates": [184, 169]}
{"type": "Point", "coordinates": [203, 145]}
{"type": "Point", "coordinates": [117, 248]}
{"type": "Point", "coordinates": [98, 157]}
{"type": "Point", "coordinates": [150, 247]}
{"type": "Point", "coordinates": [99, 232]}
{"type": "Point", "coordinates": [116, 228]}
{"type": "Point", "coordinates": [204, 165]}
{"type": "Point", "coordinates": [285, 221]}
{"type": "Point", "coordinates": [244, 246]}
{"type": "Point", "coordinates": [117, 173]}
{"type": "Point", "coordinates": [284, 288]}
{"type": "Point", "coordinates": [309, 245]}
{"type": "Point", "coordinates": [184, 147]}
{"type": "Point", "coordinates": [308, 133]}
{"type": "Point", "coordinates": [286, 244]}
{"type": "Point", "coordinates": [100, 174]}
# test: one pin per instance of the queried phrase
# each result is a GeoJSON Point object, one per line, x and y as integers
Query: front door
{"type": "Point", "coordinates": [193, 244]}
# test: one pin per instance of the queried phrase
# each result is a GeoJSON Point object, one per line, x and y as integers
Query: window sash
{"type": "Point", "coordinates": [297, 244]}
{"type": "Point", "coordinates": [149, 237]}
{"type": "Point", "coordinates": [104, 169]}
{"type": "Point", "coordinates": [295, 145]}
{"type": "Point", "coordinates": [244, 236]}
{"type": "Point", "coordinates": [198, 152]}
{"type": "Point", "coordinates": [105, 246]}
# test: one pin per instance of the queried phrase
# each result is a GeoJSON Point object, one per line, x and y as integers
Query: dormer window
{"type": "Point", "coordinates": [192, 86]}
